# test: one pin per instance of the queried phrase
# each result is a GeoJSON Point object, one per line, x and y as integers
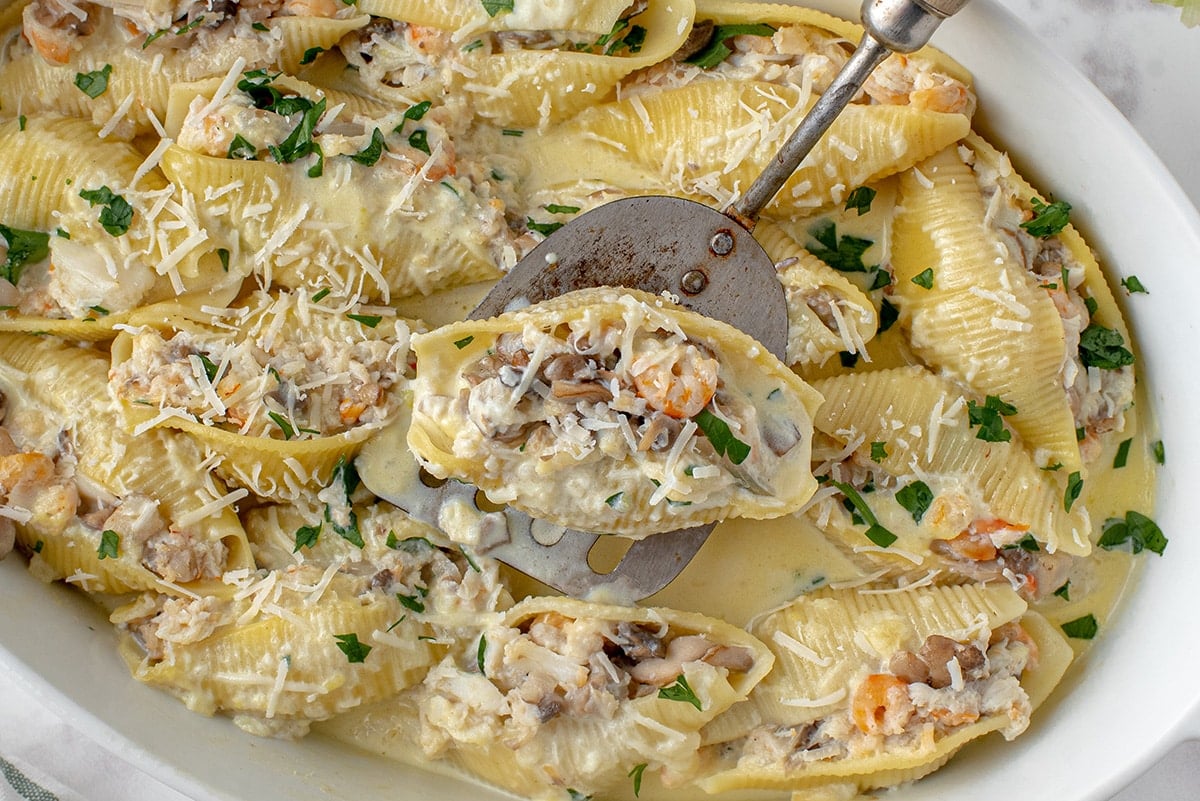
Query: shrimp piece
{"type": "Point", "coordinates": [881, 705]}
{"type": "Point", "coordinates": [679, 385]}
{"type": "Point", "coordinates": [53, 29]}
{"type": "Point", "coordinates": [948, 98]}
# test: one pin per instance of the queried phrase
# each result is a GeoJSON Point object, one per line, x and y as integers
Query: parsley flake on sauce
{"type": "Point", "coordinates": [117, 214]}
{"type": "Point", "coordinates": [841, 253]}
{"type": "Point", "coordinates": [306, 537]}
{"type": "Point", "coordinates": [462, 343]}
{"type": "Point", "coordinates": [24, 247]}
{"type": "Point", "coordinates": [94, 83]}
{"type": "Point", "coordinates": [1103, 348]}
{"type": "Point", "coordinates": [241, 148]}
{"type": "Point", "coordinates": [1074, 487]}
{"type": "Point", "coordinates": [354, 650]}
{"type": "Point", "coordinates": [989, 418]}
{"type": "Point", "coordinates": [876, 533]}
{"type": "Point", "coordinates": [860, 200]}
{"type": "Point", "coordinates": [717, 51]}
{"type": "Point", "coordinates": [916, 498]}
{"type": "Point", "coordinates": [1142, 534]}
{"type": "Point", "coordinates": [369, 320]}
{"type": "Point", "coordinates": [494, 7]}
{"type": "Point", "coordinates": [110, 544]}
{"type": "Point", "coordinates": [545, 229]}
{"type": "Point", "coordinates": [1048, 219]}
{"type": "Point", "coordinates": [371, 154]}
{"type": "Point", "coordinates": [680, 691]}
{"type": "Point", "coordinates": [924, 278]}
{"type": "Point", "coordinates": [1133, 284]}
{"type": "Point", "coordinates": [1122, 454]}
{"type": "Point", "coordinates": [878, 451]}
{"type": "Point", "coordinates": [1081, 628]}
{"type": "Point", "coordinates": [285, 426]}
{"type": "Point", "coordinates": [636, 775]}
{"type": "Point", "coordinates": [1064, 591]}
{"type": "Point", "coordinates": [723, 441]}
{"type": "Point", "coordinates": [480, 653]}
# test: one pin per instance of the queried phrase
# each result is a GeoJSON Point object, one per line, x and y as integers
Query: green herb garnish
{"type": "Point", "coordinates": [1048, 219]}
{"type": "Point", "coordinates": [1160, 452]}
{"type": "Point", "coordinates": [321, 295]}
{"type": "Point", "coordinates": [1122, 454]}
{"type": "Point", "coordinates": [24, 247]}
{"type": "Point", "coordinates": [916, 498]}
{"type": "Point", "coordinates": [555, 208]}
{"type": "Point", "coordinates": [110, 544]}
{"type": "Point", "coordinates": [94, 83]}
{"type": "Point", "coordinates": [1139, 531]}
{"type": "Point", "coordinates": [494, 7]}
{"type": "Point", "coordinates": [1132, 284]}
{"type": "Point", "coordinates": [545, 229]}
{"type": "Point", "coordinates": [1074, 487]}
{"type": "Point", "coordinates": [717, 51]}
{"type": "Point", "coordinates": [1064, 591]}
{"type": "Point", "coordinates": [841, 253]}
{"type": "Point", "coordinates": [680, 691]}
{"type": "Point", "coordinates": [306, 537]}
{"type": "Point", "coordinates": [369, 320]}
{"type": "Point", "coordinates": [370, 154]}
{"type": "Point", "coordinates": [117, 214]}
{"type": "Point", "coordinates": [875, 532]}
{"type": "Point", "coordinates": [1081, 628]}
{"type": "Point", "coordinates": [419, 140]}
{"type": "Point", "coordinates": [310, 55]}
{"type": "Point", "coordinates": [462, 343]}
{"type": "Point", "coordinates": [878, 451]}
{"type": "Point", "coordinates": [284, 425]}
{"type": "Point", "coordinates": [242, 148]}
{"type": "Point", "coordinates": [1103, 348]}
{"type": "Point", "coordinates": [1026, 543]}
{"type": "Point", "coordinates": [354, 650]}
{"type": "Point", "coordinates": [636, 775]}
{"type": "Point", "coordinates": [888, 315]}
{"type": "Point", "coordinates": [989, 419]}
{"type": "Point", "coordinates": [480, 653]}
{"type": "Point", "coordinates": [721, 437]}
{"type": "Point", "coordinates": [412, 603]}
{"type": "Point", "coordinates": [860, 200]}
{"type": "Point", "coordinates": [924, 278]}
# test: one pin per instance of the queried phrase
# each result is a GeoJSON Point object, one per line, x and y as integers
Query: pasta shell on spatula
{"type": "Point", "coordinates": [614, 410]}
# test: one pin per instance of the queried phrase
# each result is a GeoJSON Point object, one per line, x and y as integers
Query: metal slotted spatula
{"type": "Point", "coordinates": [705, 257]}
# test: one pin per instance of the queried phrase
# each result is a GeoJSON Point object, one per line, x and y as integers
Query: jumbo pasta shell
{"type": "Point", "coordinates": [540, 456]}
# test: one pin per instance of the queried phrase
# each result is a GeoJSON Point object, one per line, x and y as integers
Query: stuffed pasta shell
{"type": "Point", "coordinates": [281, 387]}
{"type": "Point", "coordinates": [616, 411]}
{"type": "Point", "coordinates": [870, 691]}
{"type": "Point", "coordinates": [923, 493]}
{"type": "Point", "coordinates": [563, 693]}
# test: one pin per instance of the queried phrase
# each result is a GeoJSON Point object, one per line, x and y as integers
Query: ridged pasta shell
{"type": "Point", "coordinates": [527, 15]}
{"type": "Point", "coordinates": [595, 752]}
{"type": "Point", "coordinates": [828, 642]}
{"type": "Point", "coordinates": [827, 314]}
{"type": "Point", "coordinates": [889, 406]}
{"type": "Point", "coordinates": [285, 662]}
{"type": "Point", "coordinates": [301, 34]}
{"type": "Point", "coordinates": [713, 138]}
{"type": "Point", "coordinates": [607, 483]}
{"type": "Point", "coordinates": [985, 320]}
{"type": "Point", "coordinates": [69, 385]}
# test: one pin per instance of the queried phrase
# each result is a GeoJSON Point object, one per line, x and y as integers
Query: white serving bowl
{"type": "Point", "coordinates": [1123, 706]}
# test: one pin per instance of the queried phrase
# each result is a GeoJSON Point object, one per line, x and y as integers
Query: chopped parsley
{"type": "Point", "coordinates": [888, 315]}
{"type": "Point", "coordinates": [1074, 487]}
{"type": "Point", "coordinates": [555, 208]}
{"type": "Point", "coordinates": [512, 132]}
{"type": "Point", "coordinates": [462, 343]}
{"type": "Point", "coordinates": [419, 140]}
{"type": "Point", "coordinates": [1132, 284]}
{"type": "Point", "coordinates": [1139, 531]}
{"type": "Point", "coordinates": [878, 451]}
{"type": "Point", "coordinates": [989, 418]}
{"type": "Point", "coordinates": [636, 775]}
{"type": "Point", "coordinates": [875, 532]}
{"type": "Point", "coordinates": [117, 214]}
{"type": "Point", "coordinates": [848, 359]}
{"type": "Point", "coordinates": [242, 148]}
{"type": "Point", "coordinates": [210, 368]}
{"type": "Point", "coordinates": [1026, 543]}
{"type": "Point", "coordinates": [320, 295]}
{"type": "Point", "coordinates": [860, 200]}
{"type": "Point", "coordinates": [416, 112]}
{"type": "Point", "coordinates": [916, 498]}
{"type": "Point", "coordinates": [545, 229]}
{"type": "Point", "coordinates": [94, 83]}
{"type": "Point", "coordinates": [1081, 628]}
{"type": "Point", "coordinates": [345, 474]}
{"type": "Point", "coordinates": [1122, 454]}
{"type": "Point", "coordinates": [306, 537]}
{"type": "Point", "coordinates": [480, 653]}
{"type": "Point", "coordinates": [1103, 348]}
{"type": "Point", "coordinates": [284, 425]}
{"type": "Point", "coordinates": [882, 279]}
{"type": "Point", "coordinates": [1160, 452]}
{"type": "Point", "coordinates": [24, 247]}
{"type": "Point", "coordinates": [369, 320]}
{"type": "Point", "coordinates": [110, 544]}
{"type": "Point", "coordinates": [413, 603]}
{"type": "Point", "coordinates": [1048, 219]}
{"type": "Point", "coordinates": [614, 500]}
{"type": "Point", "coordinates": [717, 51]}
{"type": "Point", "coordinates": [494, 7]}
{"type": "Point", "coordinates": [721, 437]}
{"type": "Point", "coordinates": [470, 561]}
{"type": "Point", "coordinates": [100, 310]}
{"type": "Point", "coordinates": [924, 278]}
{"type": "Point", "coordinates": [1064, 591]}
{"type": "Point", "coordinates": [21, 120]}
{"type": "Point", "coordinates": [841, 253]}
{"type": "Point", "coordinates": [354, 650]}
{"type": "Point", "coordinates": [371, 154]}
{"type": "Point", "coordinates": [475, 45]}
{"type": "Point", "coordinates": [299, 143]}
{"type": "Point", "coordinates": [223, 256]}
{"type": "Point", "coordinates": [310, 55]}
{"type": "Point", "coordinates": [680, 691]}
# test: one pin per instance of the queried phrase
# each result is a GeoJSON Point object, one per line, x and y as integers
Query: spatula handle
{"type": "Point", "coordinates": [900, 26]}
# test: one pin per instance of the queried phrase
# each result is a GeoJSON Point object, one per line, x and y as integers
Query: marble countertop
{"type": "Point", "coordinates": [1138, 53]}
